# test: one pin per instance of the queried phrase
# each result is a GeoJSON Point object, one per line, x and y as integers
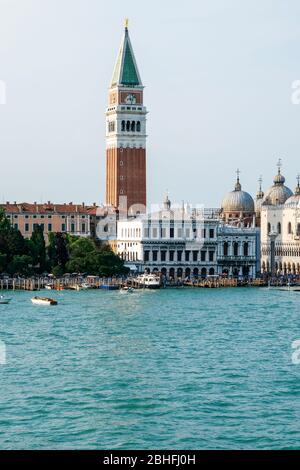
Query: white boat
{"type": "Point", "coordinates": [126, 290]}
{"type": "Point", "coordinates": [48, 287]}
{"type": "Point", "coordinates": [4, 300]}
{"type": "Point", "coordinates": [149, 281]}
{"type": "Point", "coordinates": [43, 301]}
{"type": "Point", "coordinates": [85, 285]}
{"type": "Point", "coordinates": [289, 288]}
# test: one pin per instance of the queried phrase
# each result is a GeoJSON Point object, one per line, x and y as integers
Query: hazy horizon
{"type": "Point", "coordinates": [218, 78]}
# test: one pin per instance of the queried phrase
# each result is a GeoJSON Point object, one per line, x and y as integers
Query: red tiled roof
{"type": "Point", "coordinates": [24, 207]}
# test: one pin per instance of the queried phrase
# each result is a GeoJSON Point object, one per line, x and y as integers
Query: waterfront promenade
{"type": "Point", "coordinates": [94, 282]}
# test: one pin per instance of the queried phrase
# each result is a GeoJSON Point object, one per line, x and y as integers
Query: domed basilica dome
{"type": "Point", "coordinates": [278, 193]}
{"type": "Point", "coordinates": [238, 200]}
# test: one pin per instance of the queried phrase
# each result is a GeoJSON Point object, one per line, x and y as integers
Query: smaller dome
{"type": "Point", "coordinates": [295, 198]}
{"type": "Point", "coordinates": [279, 178]}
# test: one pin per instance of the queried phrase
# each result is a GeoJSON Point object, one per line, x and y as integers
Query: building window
{"type": "Point", "coordinates": [211, 256]}
{"type": "Point", "coordinates": [235, 249]}
{"type": "Point", "coordinates": [123, 126]}
{"type": "Point", "coordinates": [72, 228]}
{"type": "Point", "coordinates": [203, 255]}
{"type": "Point", "coordinates": [138, 126]}
{"type": "Point", "coordinates": [26, 227]}
{"type": "Point", "coordinates": [154, 232]}
{"type": "Point", "coordinates": [128, 126]}
{"type": "Point", "coordinates": [171, 232]}
{"type": "Point", "coordinates": [211, 233]}
{"type": "Point", "coordinates": [246, 249]}
{"type": "Point", "coordinates": [171, 255]}
{"type": "Point", "coordinates": [225, 249]}
{"type": "Point", "coordinates": [146, 256]}
{"type": "Point", "coordinates": [269, 228]}
{"type": "Point", "coordinates": [187, 233]}
{"type": "Point", "coordinates": [163, 233]}
{"type": "Point", "coordinates": [163, 255]}
{"type": "Point", "coordinates": [187, 256]}
{"type": "Point", "coordinates": [133, 126]}
{"type": "Point", "coordinates": [16, 226]}
{"type": "Point", "coordinates": [83, 228]}
{"type": "Point", "coordinates": [179, 233]}
{"type": "Point", "coordinates": [279, 228]}
{"type": "Point", "coordinates": [179, 256]}
{"type": "Point", "coordinates": [49, 227]}
{"type": "Point", "coordinates": [154, 255]}
{"type": "Point", "coordinates": [121, 161]}
{"type": "Point", "coordinates": [63, 227]}
{"type": "Point", "coordinates": [289, 228]}
{"type": "Point", "coordinates": [195, 256]}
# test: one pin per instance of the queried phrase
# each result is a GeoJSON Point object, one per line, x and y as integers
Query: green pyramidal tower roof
{"type": "Point", "coordinates": [126, 72]}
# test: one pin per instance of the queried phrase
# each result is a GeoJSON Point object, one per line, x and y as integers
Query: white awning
{"type": "Point", "coordinates": [132, 267]}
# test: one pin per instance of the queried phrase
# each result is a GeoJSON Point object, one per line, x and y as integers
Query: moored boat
{"type": "Point", "coordinates": [126, 290]}
{"type": "Point", "coordinates": [43, 301]}
{"type": "Point", "coordinates": [149, 281]}
{"type": "Point", "coordinates": [4, 300]}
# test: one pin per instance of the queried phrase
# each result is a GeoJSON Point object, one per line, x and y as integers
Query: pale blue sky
{"type": "Point", "coordinates": [218, 77]}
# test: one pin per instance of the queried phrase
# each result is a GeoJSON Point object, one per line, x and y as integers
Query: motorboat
{"type": "Point", "coordinates": [126, 289]}
{"type": "Point", "coordinates": [149, 281]}
{"type": "Point", "coordinates": [4, 300]}
{"type": "Point", "coordinates": [43, 301]}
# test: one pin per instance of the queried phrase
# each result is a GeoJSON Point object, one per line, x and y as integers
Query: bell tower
{"type": "Point", "coordinates": [126, 133]}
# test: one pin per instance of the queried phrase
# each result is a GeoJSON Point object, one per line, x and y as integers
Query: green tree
{"type": "Point", "coordinates": [20, 264]}
{"type": "Point", "coordinates": [38, 248]}
{"type": "Point", "coordinates": [57, 251]}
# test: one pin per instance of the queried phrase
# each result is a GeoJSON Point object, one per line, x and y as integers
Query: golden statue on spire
{"type": "Point", "coordinates": [126, 23]}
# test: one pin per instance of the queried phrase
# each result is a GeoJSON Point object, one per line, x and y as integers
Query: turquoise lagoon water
{"type": "Point", "coordinates": [176, 368]}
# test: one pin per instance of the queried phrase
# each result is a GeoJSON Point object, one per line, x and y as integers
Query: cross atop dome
{"type": "Point", "coordinates": [279, 165]}
{"type": "Point", "coordinates": [238, 186]}
{"type": "Point", "coordinates": [260, 193]}
{"type": "Point", "coordinates": [297, 190]}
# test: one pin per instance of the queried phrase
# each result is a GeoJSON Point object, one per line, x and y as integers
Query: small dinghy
{"type": "Point", "coordinates": [43, 301]}
{"type": "Point", "coordinates": [4, 300]}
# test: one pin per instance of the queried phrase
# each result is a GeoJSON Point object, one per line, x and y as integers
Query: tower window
{"type": "Point", "coordinates": [133, 126]}
{"type": "Point", "coordinates": [138, 126]}
{"type": "Point", "coordinates": [123, 126]}
{"type": "Point", "coordinates": [128, 126]}
{"type": "Point", "coordinates": [111, 126]}
{"type": "Point", "coordinates": [121, 161]}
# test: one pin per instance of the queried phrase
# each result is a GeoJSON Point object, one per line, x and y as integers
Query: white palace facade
{"type": "Point", "coordinates": [185, 242]}
{"type": "Point", "coordinates": [280, 229]}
